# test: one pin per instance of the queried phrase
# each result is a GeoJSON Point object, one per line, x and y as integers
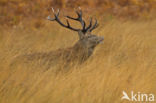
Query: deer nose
{"type": "Point", "coordinates": [101, 39]}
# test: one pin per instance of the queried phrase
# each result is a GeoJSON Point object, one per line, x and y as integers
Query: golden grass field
{"type": "Point", "coordinates": [125, 61]}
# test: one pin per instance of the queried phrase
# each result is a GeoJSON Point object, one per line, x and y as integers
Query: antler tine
{"type": "Point", "coordinates": [71, 18]}
{"type": "Point", "coordinates": [79, 18]}
{"type": "Point", "coordinates": [57, 20]}
{"type": "Point", "coordinates": [58, 12]}
{"type": "Point", "coordinates": [53, 19]}
{"type": "Point", "coordinates": [90, 24]}
{"type": "Point", "coordinates": [94, 26]}
{"type": "Point", "coordinates": [53, 10]}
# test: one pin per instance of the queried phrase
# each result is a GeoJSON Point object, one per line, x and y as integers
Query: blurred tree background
{"type": "Point", "coordinates": [12, 12]}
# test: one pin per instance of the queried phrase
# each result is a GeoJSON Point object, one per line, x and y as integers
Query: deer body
{"type": "Point", "coordinates": [79, 52]}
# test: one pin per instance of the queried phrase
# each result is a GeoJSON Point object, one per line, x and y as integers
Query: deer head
{"type": "Point", "coordinates": [87, 40]}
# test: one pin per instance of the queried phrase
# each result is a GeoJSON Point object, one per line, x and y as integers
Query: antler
{"type": "Point", "coordinates": [79, 18]}
{"type": "Point", "coordinates": [57, 20]}
{"type": "Point", "coordinates": [94, 26]}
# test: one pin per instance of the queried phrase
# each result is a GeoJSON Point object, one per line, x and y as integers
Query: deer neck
{"type": "Point", "coordinates": [82, 51]}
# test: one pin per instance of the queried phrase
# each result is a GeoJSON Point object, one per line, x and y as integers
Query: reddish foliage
{"type": "Point", "coordinates": [13, 11]}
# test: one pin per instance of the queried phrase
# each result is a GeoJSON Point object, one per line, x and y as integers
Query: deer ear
{"type": "Point", "coordinates": [81, 34]}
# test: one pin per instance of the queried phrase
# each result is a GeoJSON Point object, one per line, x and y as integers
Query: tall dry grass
{"type": "Point", "coordinates": [125, 61]}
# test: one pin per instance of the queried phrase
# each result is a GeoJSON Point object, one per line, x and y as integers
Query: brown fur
{"type": "Point", "coordinates": [78, 53]}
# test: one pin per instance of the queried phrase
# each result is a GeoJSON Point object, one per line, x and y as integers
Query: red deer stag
{"type": "Point", "coordinates": [79, 52]}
